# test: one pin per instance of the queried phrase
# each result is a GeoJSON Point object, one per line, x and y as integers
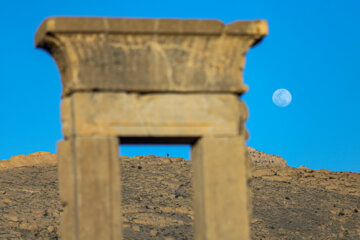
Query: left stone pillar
{"type": "Point", "coordinates": [89, 180]}
{"type": "Point", "coordinates": [90, 188]}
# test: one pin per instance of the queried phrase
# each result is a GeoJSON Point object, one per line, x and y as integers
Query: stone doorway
{"type": "Point", "coordinates": [136, 80]}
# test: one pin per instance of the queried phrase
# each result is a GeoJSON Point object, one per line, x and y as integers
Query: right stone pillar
{"type": "Point", "coordinates": [220, 188]}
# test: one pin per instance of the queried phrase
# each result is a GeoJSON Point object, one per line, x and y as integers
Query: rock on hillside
{"type": "Point", "coordinates": [257, 157]}
{"type": "Point", "coordinates": [28, 160]}
{"type": "Point", "coordinates": [261, 158]}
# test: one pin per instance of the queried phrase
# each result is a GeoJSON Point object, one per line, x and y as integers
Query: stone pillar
{"type": "Point", "coordinates": [220, 188]}
{"type": "Point", "coordinates": [90, 188]}
{"type": "Point", "coordinates": [151, 79]}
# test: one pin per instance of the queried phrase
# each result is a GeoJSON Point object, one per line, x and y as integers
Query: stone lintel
{"type": "Point", "coordinates": [153, 115]}
{"type": "Point", "coordinates": [147, 26]}
{"type": "Point", "coordinates": [149, 55]}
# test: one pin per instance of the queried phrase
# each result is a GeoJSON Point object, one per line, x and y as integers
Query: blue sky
{"type": "Point", "coordinates": [312, 50]}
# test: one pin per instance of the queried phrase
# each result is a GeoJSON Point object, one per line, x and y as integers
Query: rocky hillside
{"type": "Point", "coordinates": [288, 203]}
{"type": "Point", "coordinates": [257, 157]}
{"type": "Point", "coordinates": [261, 158]}
{"type": "Point", "coordinates": [38, 158]}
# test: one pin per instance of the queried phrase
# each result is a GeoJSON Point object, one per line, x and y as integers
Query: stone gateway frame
{"type": "Point", "coordinates": [151, 81]}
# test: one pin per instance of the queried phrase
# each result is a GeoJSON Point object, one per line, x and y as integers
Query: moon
{"type": "Point", "coordinates": [281, 97]}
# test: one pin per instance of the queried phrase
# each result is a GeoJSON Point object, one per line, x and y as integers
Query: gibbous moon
{"type": "Point", "coordinates": [281, 97]}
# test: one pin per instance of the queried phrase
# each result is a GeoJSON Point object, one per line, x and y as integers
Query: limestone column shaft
{"type": "Point", "coordinates": [89, 182]}
{"type": "Point", "coordinates": [220, 188]}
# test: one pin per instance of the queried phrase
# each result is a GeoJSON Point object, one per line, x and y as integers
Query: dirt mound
{"type": "Point", "coordinates": [33, 159]}
{"type": "Point", "coordinates": [288, 203]}
{"type": "Point", "coordinates": [261, 158]}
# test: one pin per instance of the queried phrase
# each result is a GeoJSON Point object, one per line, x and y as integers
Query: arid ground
{"type": "Point", "coordinates": [288, 203]}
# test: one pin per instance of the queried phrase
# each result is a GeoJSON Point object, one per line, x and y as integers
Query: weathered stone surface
{"type": "Point", "coordinates": [67, 190]}
{"type": "Point", "coordinates": [179, 115]}
{"type": "Point", "coordinates": [66, 113]}
{"type": "Point", "coordinates": [149, 55]}
{"type": "Point", "coordinates": [90, 188]}
{"type": "Point", "coordinates": [128, 25]}
{"type": "Point", "coordinates": [220, 188]}
{"type": "Point", "coordinates": [151, 26]}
